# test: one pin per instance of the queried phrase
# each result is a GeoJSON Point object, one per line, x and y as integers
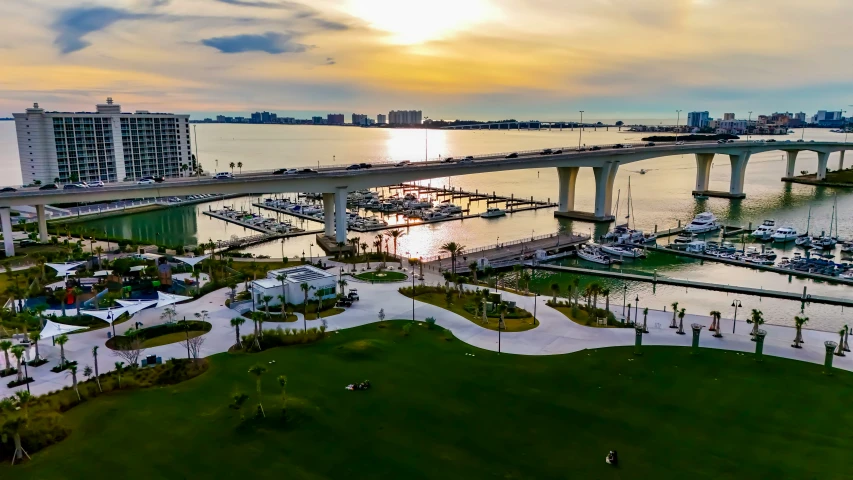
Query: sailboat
{"type": "Point", "coordinates": [805, 240]}
{"type": "Point", "coordinates": [625, 233]}
{"type": "Point", "coordinates": [829, 241]}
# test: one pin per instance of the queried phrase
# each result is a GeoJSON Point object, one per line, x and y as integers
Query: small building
{"type": "Point", "coordinates": [319, 281]}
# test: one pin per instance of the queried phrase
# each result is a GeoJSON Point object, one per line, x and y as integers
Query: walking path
{"type": "Point", "coordinates": [555, 334]}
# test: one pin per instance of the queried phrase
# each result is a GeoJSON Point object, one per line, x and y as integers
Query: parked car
{"type": "Point", "coordinates": [145, 181]}
{"type": "Point", "coordinates": [512, 155]}
{"type": "Point", "coordinates": [354, 166]}
{"type": "Point", "coordinates": [344, 302]}
{"type": "Point", "coordinates": [7, 190]}
{"type": "Point", "coordinates": [306, 171]}
{"type": "Point", "coordinates": [223, 176]}
{"type": "Point", "coordinates": [49, 186]}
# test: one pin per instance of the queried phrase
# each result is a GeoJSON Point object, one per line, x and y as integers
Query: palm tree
{"type": "Point", "coordinates": [232, 165]}
{"type": "Point", "coordinates": [267, 299]}
{"type": "Point", "coordinates": [5, 345]}
{"type": "Point", "coordinates": [306, 289]}
{"type": "Point", "coordinates": [606, 293]}
{"type": "Point", "coordinates": [97, 375]}
{"type": "Point", "coordinates": [13, 427]}
{"type": "Point", "coordinates": [257, 371]}
{"type": "Point", "coordinates": [577, 289]}
{"type": "Point", "coordinates": [715, 324]}
{"type": "Point", "coordinates": [77, 291]}
{"type": "Point", "coordinates": [756, 318]}
{"type": "Point", "coordinates": [240, 166]}
{"type": "Point", "coordinates": [674, 315]}
{"type": "Point", "coordinates": [236, 322]}
{"type": "Point", "coordinates": [184, 168]}
{"type": "Point", "coordinates": [681, 314]}
{"type": "Point", "coordinates": [257, 321]}
{"type": "Point", "coordinates": [366, 254]}
{"type": "Point", "coordinates": [555, 289]}
{"type": "Point", "coordinates": [799, 322]}
{"type": "Point", "coordinates": [99, 251]}
{"type": "Point", "coordinates": [73, 371]}
{"type": "Point", "coordinates": [61, 341]}
{"type": "Point", "coordinates": [282, 382]}
{"type": "Point", "coordinates": [516, 270]}
{"type": "Point", "coordinates": [838, 351]}
{"type": "Point", "coordinates": [354, 244]}
{"type": "Point", "coordinates": [596, 289]}
{"type": "Point", "coordinates": [283, 307]}
{"type": "Point", "coordinates": [34, 338]}
{"type": "Point", "coordinates": [119, 368]}
{"type": "Point", "coordinates": [342, 283]}
{"type": "Point", "coordinates": [18, 353]}
{"type": "Point", "coordinates": [395, 235]}
{"type": "Point", "coordinates": [453, 249]}
{"type": "Point", "coordinates": [62, 295]}
{"type": "Point", "coordinates": [645, 316]}
{"type": "Point", "coordinates": [340, 249]}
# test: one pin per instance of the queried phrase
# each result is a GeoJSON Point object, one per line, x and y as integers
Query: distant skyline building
{"type": "Point", "coordinates": [318, 120]}
{"type": "Point", "coordinates": [728, 116]}
{"type": "Point", "coordinates": [105, 145]}
{"type": "Point", "coordinates": [405, 117]}
{"type": "Point", "coordinates": [359, 119]}
{"type": "Point", "coordinates": [335, 119]}
{"type": "Point", "coordinates": [698, 119]}
{"type": "Point", "coordinates": [381, 119]}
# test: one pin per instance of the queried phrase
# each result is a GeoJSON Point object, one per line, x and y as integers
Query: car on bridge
{"type": "Point", "coordinates": [512, 155]}
{"type": "Point", "coordinates": [49, 186]}
{"type": "Point", "coordinates": [403, 163]}
{"type": "Point", "coordinates": [365, 165]}
{"type": "Point", "coordinates": [594, 148]}
{"type": "Point", "coordinates": [306, 171]}
{"type": "Point", "coordinates": [73, 186]}
{"type": "Point", "coordinates": [285, 171]}
{"type": "Point", "coordinates": [154, 179]}
{"type": "Point", "coordinates": [223, 176]}
{"type": "Point", "coordinates": [465, 160]}
{"type": "Point", "coordinates": [618, 145]}
{"type": "Point", "coordinates": [8, 189]}
{"type": "Point", "coordinates": [354, 166]}
{"type": "Point", "coordinates": [447, 160]}
{"type": "Point", "coordinates": [650, 144]}
{"type": "Point", "coordinates": [96, 184]}
{"type": "Point", "coordinates": [557, 152]}
{"type": "Point", "coordinates": [547, 151]}
{"type": "Point", "coordinates": [145, 181]}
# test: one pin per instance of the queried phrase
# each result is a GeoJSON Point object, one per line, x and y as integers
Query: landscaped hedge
{"type": "Point", "coordinates": [121, 342]}
{"type": "Point", "coordinates": [283, 337]}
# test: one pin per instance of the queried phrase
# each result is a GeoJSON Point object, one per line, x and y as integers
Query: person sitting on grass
{"type": "Point", "coordinates": [612, 458]}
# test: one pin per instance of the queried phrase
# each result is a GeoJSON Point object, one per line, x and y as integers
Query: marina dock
{"type": "Point", "coordinates": [512, 203]}
{"type": "Point", "coordinates": [269, 234]}
{"type": "Point", "coordinates": [759, 292]}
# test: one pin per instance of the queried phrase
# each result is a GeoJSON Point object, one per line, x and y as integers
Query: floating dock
{"type": "Point", "coordinates": [293, 232]}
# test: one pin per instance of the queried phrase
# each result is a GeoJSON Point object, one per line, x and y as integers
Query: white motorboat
{"type": "Point", "coordinates": [696, 246]}
{"type": "Point", "coordinates": [784, 234]}
{"type": "Point", "coordinates": [702, 223]}
{"type": "Point", "coordinates": [592, 253]}
{"type": "Point", "coordinates": [493, 212]}
{"type": "Point", "coordinates": [623, 251]}
{"type": "Point", "coordinates": [847, 247]}
{"type": "Point", "coordinates": [450, 208]}
{"type": "Point", "coordinates": [765, 231]}
{"type": "Point", "coordinates": [684, 238]}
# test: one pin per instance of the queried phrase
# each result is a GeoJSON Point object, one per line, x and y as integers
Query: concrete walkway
{"type": "Point", "coordinates": [554, 335]}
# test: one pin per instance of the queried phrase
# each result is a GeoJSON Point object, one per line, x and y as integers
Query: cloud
{"type": "Point", "coordinates": [330, 61]}
{"type": "Point", "coordinates": [260, 4]}
{"type": "Point", "coordinates": [75, 23]}
{"type": "Point", "coordinates": [329, 24]}
{"type": "Point", "coordinates": [269, 42]}
{"type": "Point", "coordinates": [160, 3]}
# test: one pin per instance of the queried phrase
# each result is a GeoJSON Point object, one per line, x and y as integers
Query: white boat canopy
{"type": "Point", "coordinates": [63, 269]}
{"type": "Point", "coordinates": [166, 299]}
{"type": "Point", "coordinates": [109, 315]}
{"type": "Point", "coordinates": [191, 261]}
{"type": "Point", "coordinates": [52, 329]}
{"type": "Point", "coordinates": [103, 273]}
{"type": "Point", "coordinates": [138, 268]}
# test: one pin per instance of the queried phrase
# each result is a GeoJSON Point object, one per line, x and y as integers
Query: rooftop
{"type": "Point", "coordinates": [300, 274]}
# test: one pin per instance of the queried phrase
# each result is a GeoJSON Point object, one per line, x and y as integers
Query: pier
{"type": "Point", "coordinates": [511, 203]}
{"type": "Point", "coordinates": [269, 234]}
{"type": "Point", "coordinates": [655, 279]}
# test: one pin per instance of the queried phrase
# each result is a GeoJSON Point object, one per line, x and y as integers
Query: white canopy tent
{"type": "Point", "coordinates": [138, 268]}
{"type": "Point", "coordinates": [191, 261]}
{"type": "Point", "coordinates": [166, 299]}
{"type": "Point", "coordinates": [134, 306]}
{"type": "Point", "coordinates": [103, 273]}
{"type": "Point", "coordinates": [52, 329]}
{"type": "Point", "coordinates": [63, 269]}
{"type": "Point", "coordinates": [109, 315]}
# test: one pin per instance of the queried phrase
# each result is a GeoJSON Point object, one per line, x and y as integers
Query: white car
{"type": "Point", "coordinates": [97, 184]}
{"type": "Point", "coordinates": [223, 175]}
{"type": "Point", "coordinates": [146, 181]}
{"type": "Point", "coordinates": [291, 171]}
{"type": "Point", "coordinates": [679, 143]}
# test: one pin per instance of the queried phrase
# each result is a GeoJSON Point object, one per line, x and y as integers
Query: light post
{"type": "Point", "coordinates": [677, 124]}
{"type": "Point", "coordinates": [26, 376]}
{"type": "Point", "coordinates": [624, 300]}
{"type": "Point", "coordinates": [535, 298]}
{"type": "Point", "coordinates": [580, 130]}
{"type": "Point", "coordinates": [637, 309]}
{"type": "Point", "coordinates": [736, 303]}
{"type": "Point", "coordinates": [282, 249]}
{"type": "Point", "coordinates": [749, 120]}
{"type": "Point", "coordinates": [846, 124]}
{"type": "Point", "coordinates": [311, 253]}
{"type": "Point", "coordinates": [413, 295]}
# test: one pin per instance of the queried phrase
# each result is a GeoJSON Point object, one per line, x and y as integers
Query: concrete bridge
{"type": "Point", "coordinates": [336, 182]}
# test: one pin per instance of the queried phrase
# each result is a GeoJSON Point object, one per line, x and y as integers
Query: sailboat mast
{"type": "Point", "coordinates": [618, 192]}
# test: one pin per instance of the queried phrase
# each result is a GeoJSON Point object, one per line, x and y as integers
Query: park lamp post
{"type": "Point", "coordinates": [736, 303]}
{"type": "Point", "coordinates": [636, 309]}
{"type": "Point", "coordinates": [535, 298]}
{"type": "Point", "coordinates": [624, 300]}
{"type": "Point", "coordinates": [580, 130]}
{"type": "Point", "coordinates": [677, 124]}
{"type": "Point", "coordinates": [413, 295]}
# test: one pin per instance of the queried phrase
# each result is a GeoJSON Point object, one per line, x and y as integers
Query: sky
{"type": "Point", "coordinates": [466, 59]}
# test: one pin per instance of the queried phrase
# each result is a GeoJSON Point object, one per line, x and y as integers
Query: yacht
{"type": "Point", "coordinates": [702, 223]}
{"type": "Point", "coordinates": [592, 253]}
{"type": "Point", "coordinates": [684, 238]}
{"type": "Point", "coordinates": [623, 234]}
{"type": "Point", "coordinates": [623, 251]}
{"type": "Point", "coordinates": [765, 230]}
{"type": "Point", "coordinates": [784, 234]}
{"type": "Point", "coordinates": [493, 212]}
{"type": "Point", "coordinates": [450, 208]}
{"type": "Point", "coordinates": [847, 247]}
{"type": "Point", "coordinates": [696, 246]}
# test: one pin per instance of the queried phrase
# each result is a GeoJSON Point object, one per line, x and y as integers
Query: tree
{"type": "Point", "coordinates": [266, 299]}
{"type": "Point", "coordinates": [756, 318]}
{"type": "Point", "coordinates": [131, 351]}
{"type": "Point", "coordinates": [62, 295]}
{"type": "Point", "coordinates": [364, 247]}
{"type": "Point", "coordinates": [342, 284]}
{"type": "Point", "coordinates": [340, 249]}
{"type": "Point", "coordinates": [606, 293]}
{"type": "Point", "coordinates": [715, 323]}
{"type": "Point", "coordinates": [354, 244]}
{"type": "Point", "coordinates": [193, 345]}
{"type": "Point", "coordinates": [473, 267]}
{"type": "Point", "coordinates": [681, 314]}
{"type": "Point", "coordinates": [645, 316]}
{"type": "Point", "coordinates": [119, 369]}
{"type": "Point", "coordinates": [282, 382]}
{"type": "Point", "coordinates": [319, 297]}
{"type": "Point", "coordinates": [799, 322]}
{"type": "Point", "coordinates": [232, 165]}
{"type": "Point", "coordinates": [15, 422]}
{"type": "Point", "coordinates": [395, 235]}
{"type": "Point", "coordinates": [34, 338]}
{"type": "Point", "coordinates": [555, 289]}
{"type": "Point", "coordinates": [674, 314]}
{"type": "Point", "coordinates": [99, 251]}
{"type": "Point", "coordinates": [18, 353]}
{"type": "Point", "coordinates": [305, 290]}
{"type": "Point", "coordinates": [184, 168]}
{"type": "Point", "coordinates": [97, 374]}
{"type": "Point", "coordinates": [240, 166]}
{"type": "Point", "coordinates": [5, 345]}
{"type": "Point", "coordinates": [257, 321]}
{"type": "Point", "coordinates": [258, 370]}
{"type": "Point", "coordinates": [239, 399]}
{"type": "Point", "coordinates": [236, 322]}
{"type": "Point", "coordinates": [282, 277]}
{"type": "Point", "coordinates": [61, 341]}
{"type": "Point", "coordinates": [454, 249]}
{"type": "Point", "coordinates": [595, 290]}
{"type": "Point", "coordinates": [576, 283]}
{"type": "Point", "coordinates": [169, 314]}
{"type": "Point", "coordinates": [77, 291]}
{"type": "Point", "coordinates": [73, 371]}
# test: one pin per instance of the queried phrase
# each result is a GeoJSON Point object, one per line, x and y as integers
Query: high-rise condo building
{"type": "Point", "coordinates": [697, 119]}
{"type": "Point", "coordinates": [105, 145]}
{"type": "Point", "coordinates": [405, 117]}
{"type": "Point", "coordinates": [381, 119]}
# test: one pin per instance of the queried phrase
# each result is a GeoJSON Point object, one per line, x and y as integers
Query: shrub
{"type": "Point", "coordinates": [284, 337]}
{"type": "Point", "coordinates": [430, 322]}
{"type": "Point", "coordinates": [16, 383]}
{"type": "Point", "coordinates": [406, 329]}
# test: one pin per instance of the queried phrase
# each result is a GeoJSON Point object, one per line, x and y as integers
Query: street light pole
{"type": "Point", "coordinates": [580, 131]}
{"type": "Point", "coordinates": [736, 303]}
{"type": "Point", "coordinates": [677, 124]}
{"type": "Point", "coordinates": [749, 120]}
{"type": "Point", "coordinates": [413, 295]}
{"type": "Point", "coordinates": [624, 299]}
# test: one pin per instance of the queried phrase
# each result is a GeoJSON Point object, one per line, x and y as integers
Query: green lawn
{"type": "Point", "coordinates": [384, 276]}
{"type": "Point", "coordinates": [434, 412]}
{"type": "Point", "coordinates": [457, 307]}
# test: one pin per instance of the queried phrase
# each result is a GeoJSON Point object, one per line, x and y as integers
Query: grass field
{"type": "Point", "coordinates": [510, 324]}
{"type": "Point", "coordinates": [435, 412]}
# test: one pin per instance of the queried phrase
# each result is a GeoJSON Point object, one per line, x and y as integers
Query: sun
{"type": "Point", "coordinates": [411, 22]}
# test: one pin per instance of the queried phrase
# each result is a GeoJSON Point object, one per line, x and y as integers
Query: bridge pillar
{"type": "Point", "coordinates": [329, 214]}
{"type": "Point", "coordinates": [604, 178]}
{"type": "Point", "coordinates": [42, 219]}
{"type": "Point", "coordinates": [6, 223]}
{"type": "Point", "coordinates": [822, 159]}
{"type": "Point", "coordinates": [790, 171]}
{"type": "Point", "coordinates": [703, 170]}
{"type": "Point", "coordinates": [341, 214]}
{"type": "Point", "coordinates": [567, 177]}
{"type": "Point", "coordinates": [841, 160]}
{"type": "Point", "coordinates": [739, 162]}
